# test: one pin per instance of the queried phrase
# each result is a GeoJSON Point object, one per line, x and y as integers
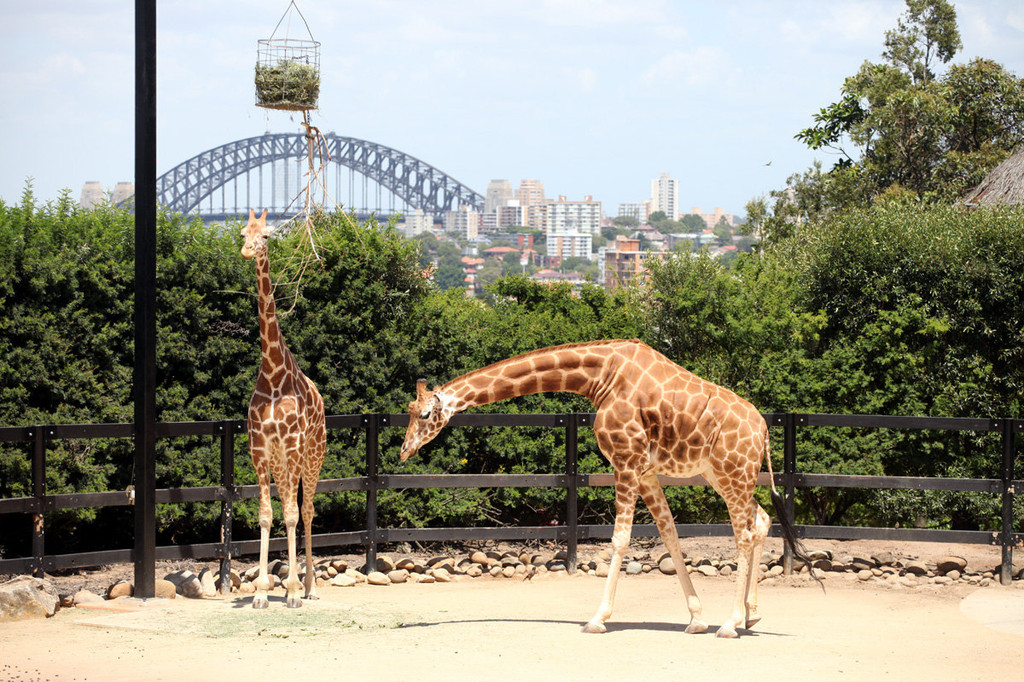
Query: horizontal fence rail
{"type": "Point", "coordinates": [570, 534]}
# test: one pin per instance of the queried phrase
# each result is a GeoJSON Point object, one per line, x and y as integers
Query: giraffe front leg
{"type": "Point", "coordinates": [259, 599]}
{"type": "Point", "coordinates": [654, 497]}
{"type": "Point", "coordinates": [292, 584]}
{"type": "Point", "coordinates": [625, 503]}
{"type": "Point", "coordinates": [309, 580]}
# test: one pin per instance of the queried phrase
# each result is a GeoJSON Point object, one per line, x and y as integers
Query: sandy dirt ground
{"type": "Point", "coordinates": [490, 628]}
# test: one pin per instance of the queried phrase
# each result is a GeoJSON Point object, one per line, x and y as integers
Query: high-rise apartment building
{"type": "Point", "coordinates": [512, 214]}
{"type": "Point", "coordinates": [531, 197]}
{"type": "Point", "coordinates": [571, 245]}
{"type": "Point", "coordinates": [665, 196]}
{"type": "Point", "coordinates": [499, 193]}
{"type": "Point", "coordinates": [637, 211]}
{"type": "Point", "coordinates": [567, 217]}
{"type": "Point", "coordinates": [464, 221]}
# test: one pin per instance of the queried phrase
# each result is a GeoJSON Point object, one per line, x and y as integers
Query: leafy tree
{"type": "Point", "coordinates": [901, 127]}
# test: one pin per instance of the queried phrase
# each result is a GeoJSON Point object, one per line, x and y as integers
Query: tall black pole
{"type": "Point", "coordinates": [145, 298]}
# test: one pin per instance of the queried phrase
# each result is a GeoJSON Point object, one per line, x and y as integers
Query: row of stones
{"type": "Point", "coordinates": [525, 565]}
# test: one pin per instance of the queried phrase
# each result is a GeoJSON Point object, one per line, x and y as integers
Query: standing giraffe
{"type": "Point", "coordinates": [287, 432]}
{"type": "Point", "coordinates": [653, 417]}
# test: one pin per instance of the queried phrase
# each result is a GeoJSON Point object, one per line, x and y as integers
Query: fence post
{"type": "Point", "coordinates": [788, 471]}
{"type": "Point", "coordinates": [38, 436]}
{"type": "Point", "coordinates": [1006, 537]}
{"type": "Point", "coordinates": [227, 482]}
{"type": "Point", "coordinates": [372, 423]}
{"type": "Point", "coordinates": [571, 497]}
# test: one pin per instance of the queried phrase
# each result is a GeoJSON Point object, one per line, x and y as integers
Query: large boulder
{"type": "Point", "coordinates": [28, 597]}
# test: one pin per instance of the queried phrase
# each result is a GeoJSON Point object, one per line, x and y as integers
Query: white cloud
{"type": "Point", "coordinates": [700, 66]}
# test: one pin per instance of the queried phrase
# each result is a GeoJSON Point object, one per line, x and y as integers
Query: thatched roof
{"type": "Point", "coordinates": [1004, 185]}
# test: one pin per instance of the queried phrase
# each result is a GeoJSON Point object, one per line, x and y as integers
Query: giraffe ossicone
{"type": "Point", "coordinates": [287, 430]}
{"type": "Point", "coordinates": [652, 417]}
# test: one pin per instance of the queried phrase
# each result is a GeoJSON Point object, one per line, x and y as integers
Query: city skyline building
{"type": "Point", "coordinates": [567, 217]}
{"type": "Point", "coordinates": [499, 193]}
{"type": "Point", "coordinates": [665, 196]}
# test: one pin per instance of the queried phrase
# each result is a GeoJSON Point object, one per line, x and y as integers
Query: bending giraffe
{"type": "Point", "coordinates": [653, 417]}
{"type": "Point", "coordinates": [287, 431]}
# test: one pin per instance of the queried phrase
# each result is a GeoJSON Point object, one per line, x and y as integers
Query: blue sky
{"type": "Point", "coordinates": [589, 96]}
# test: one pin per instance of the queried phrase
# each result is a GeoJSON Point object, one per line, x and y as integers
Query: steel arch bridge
{"type": "Point", "coordinates": [192, 186]}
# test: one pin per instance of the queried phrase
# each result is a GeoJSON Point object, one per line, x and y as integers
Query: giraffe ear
{"type": "Point", "coordinates": [421, 389]}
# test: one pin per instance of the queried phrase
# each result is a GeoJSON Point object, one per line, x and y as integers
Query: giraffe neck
{"type": "Point", "coordinates": [577, 368]}
{"type": "Point", "coordinates": [275, 352]}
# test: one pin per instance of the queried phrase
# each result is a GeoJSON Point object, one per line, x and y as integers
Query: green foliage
{"type": "Point", "coordinates": [897, 308]}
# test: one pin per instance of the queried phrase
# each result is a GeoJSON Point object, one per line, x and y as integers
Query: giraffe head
{"type": "Point", "coordinates": [427, 416]}
{"type": "Point", "coordinates": [256, 234]}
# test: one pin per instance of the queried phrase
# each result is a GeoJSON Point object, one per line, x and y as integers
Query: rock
{"type": "Point", "coordinates": [776, 570]}
{"type": "Point", "coordinates": [398, 576]}
{"type": "Point", "coordinates": [358, 576]}
{"type": "Point", "coordinates": [377, 578]}
{"type": "Point", "coordinates": [186, 583]}
{"type": "Point", "coordinates": [28, 597]}
{"type": "Point", "coordinates": [666, 566]}
{"type": "Point", "coordinates": [244, 588]}
{"type": "Point", "coordinates": [822, 564]}
{"type": "Point", "coordinates": [85, 597]}
{"type": "Point", "coordinates": [342, 580]}
{"type": "Point", "coordinates": [494, 571]}
{"type": "Point", "coordinates": [385, 564]}
{"type": "Point", "coordinates": [864, 575]}
{"type": "Point", "coordinates": [475, 571]}
{"type": "Point", "coordinates": [235, 578]}
{"type": "Point", "coordinates": [556, 567]}
{"type": "Point", "coordinates": [942, 580]}
{"type": "Point", "coordinates": [339, 565]}
{"type": "Point", "coordinates": [601, 570]}
{"type": "Point", "coordinates": [951, 563]}
{"type": "Point", "coordinates": [405, 565]}
{"type": "Point", "coordinates": [508, 571]}
{"type": "Point", "coordinates": [427, 579]}
{"type": "Point", "coordinates": [251, 574]}
{"type": "Point", "coordinates": [725, 571]}
{"type": "Point", "coordinates": [708, 570]}
{"type": "Point", "coordinates": [441, 575]}
{"type": "Point", "coordinates": [479, 558]}
{"type": "Point", "coordinates": [916, 568]}
{"type": "Point", "coordinates": [278, 567]}
{"type": "Point", "coordinates": [634, 568]}
{"type": "Point", "coordinates": [818, 555]}
{"type": "Point", "coordinates": [908, 581]}
{"type": "Point", "coordinates": [122, 588]}
{"type": "Point", "coordinates": [208, 582]}
{"type": "Point", "coordinates": [884, 559]}
{"type": "Point", "coordinates": [861, 562]}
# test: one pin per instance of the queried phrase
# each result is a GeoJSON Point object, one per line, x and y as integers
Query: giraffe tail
{"type": "Point", "coordinates": [788, 530]}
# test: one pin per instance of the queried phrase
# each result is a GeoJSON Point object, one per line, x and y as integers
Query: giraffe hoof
{"type": "Point", "coordinates": [293, 603]}
{"type": "Point", "coordinates": [595, 627]}
{"type": "Point", "coordinates": [696, 627]}
{"type": "Point", "coordinates": [259, 602]}
{"type": "Point", "coordinates": [753, 619]}
{"type": "Point", "coordinates": [727, 632]}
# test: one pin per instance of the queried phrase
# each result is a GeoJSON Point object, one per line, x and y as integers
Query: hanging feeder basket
{"type": "Point", "coordinates": [288, 70]}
